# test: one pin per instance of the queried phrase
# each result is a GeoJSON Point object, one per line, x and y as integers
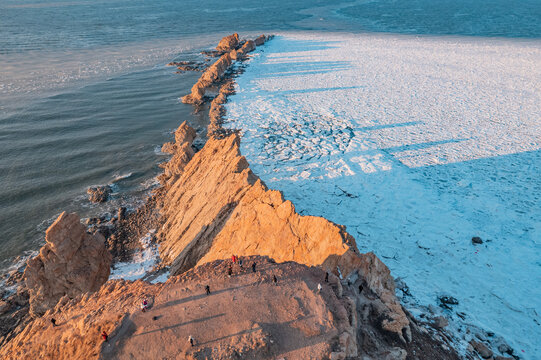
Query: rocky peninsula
{"type": "Point", "coordinates": [303, 289]}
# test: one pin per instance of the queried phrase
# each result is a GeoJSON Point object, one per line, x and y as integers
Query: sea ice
{"type": "Point", "coordinates": [416, 144]}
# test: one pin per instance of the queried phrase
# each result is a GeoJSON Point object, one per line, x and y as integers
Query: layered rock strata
{"type": "Point", "coordinates": [217, 207]}
{"type": "Point", "coordinates": [71, 262]}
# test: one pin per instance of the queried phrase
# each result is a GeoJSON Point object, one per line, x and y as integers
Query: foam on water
{"type": "Point", "coordinates": [416, 145]}
{"type": "Point", "coordinates": [142, 262]}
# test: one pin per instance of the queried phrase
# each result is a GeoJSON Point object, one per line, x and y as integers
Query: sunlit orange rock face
{"type": "Point", "coordinates": [216, 207]}
{"type": "Point", "coordinates": [71, 262]}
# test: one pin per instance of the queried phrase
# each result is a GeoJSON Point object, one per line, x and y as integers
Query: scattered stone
{"type": "Point", "coordinates": [211, 53]}
{"type": "Point", "coordinates": [476, 240]}
{"type": "Point", "coordinates": [481, 349]}
{"type": "Point", "coordinates": [445, 301]}
{"type": "Point", "coordinates": [505, 349]}
{"type": "Point", "coordinates": [440, 322]}
{"type": "Point", "coordinates": [260, 40]}
{"type": "Point", "coordinates": [99, 194]}
{"type": "Point", "coordinates": [4, 306]}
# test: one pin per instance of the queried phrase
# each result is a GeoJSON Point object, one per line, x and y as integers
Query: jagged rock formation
{"type": "Point", "coordinates": [182, 152]}
{"type": "Point", "coordinates": [216, 206]}
{"type": "Point", "coordinates": [228, 45]}
{"type": "Point", "coordinates": [71, 262]}
{"type": "Point", "coordinates": [217, 109]}
{"type": "Point", "coordinates": [213, 74]}
{"type": "Point", "coordinates": [241, 53]}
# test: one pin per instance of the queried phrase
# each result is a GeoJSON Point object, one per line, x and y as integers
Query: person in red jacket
{"type": "Point", "coordinates": [104, 336]}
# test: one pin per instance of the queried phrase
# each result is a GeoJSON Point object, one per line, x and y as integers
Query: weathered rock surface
{"type": "Point", "coordinates": [214, 73]}
{"type": "Point", "coordinates": [246, 316]}
{"type": "Point", "coordinates": [482, 349]}
{"type": "Point", "coordinates": [71, 262]}
{"type": "Point", "coordinates": [217, 207]}
{"type": "Point", "coordinates": [245, 49]}
{"type": "Point", "coordinates": [228, 43]}
{"type": "Point", "coordinates": [182, 152]}
{"type": "Point", "coordinates": [260, 40]}
{"type": "Point", "coordinates": [228, 46]}
{"type": "Point", "coordinates": [99, 194]}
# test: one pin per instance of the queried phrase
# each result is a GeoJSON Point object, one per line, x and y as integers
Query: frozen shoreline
{"type": "Point", "coordinates": [416, 144]}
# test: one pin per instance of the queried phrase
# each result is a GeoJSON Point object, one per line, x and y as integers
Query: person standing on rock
{"type": "Point", "coordinates": [53, 321]}
{"type": "Point", "coordinates": [319, 287]}
{"type": "Point", "coordinates": [104, 336]}
{"type": "Point", "coordinates": [274, 280]}
{"type": "Point", "coordinates": [240, 263]}
{"type": "Point", "coordinates": [207, 289]}
{"type": "Point", "coordinates": [327, 277]}
{"type": "Point", "coordinates": [234, 259]}
{"type": "Point", "coordinates": [191, 340]}
{"type": "Point", "coordinates": [253, 267]}
{"type": "Point", "coordinates": [144, 305]}
{"type": "Point", "coordinates": [229, 271]}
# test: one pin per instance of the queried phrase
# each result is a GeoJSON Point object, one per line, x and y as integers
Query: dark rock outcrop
{"type": "Point", "coordinates": [99, 194]}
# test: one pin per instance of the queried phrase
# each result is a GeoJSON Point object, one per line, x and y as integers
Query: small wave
{"type": "Point", "coordinates": [150, 183]}
{"type": "Point", "coordinates": [15, 264]}
{"type": "Point", "coordinates": [117, 177]}
{"type": "Point", "coordinates": [158, 150]}
{"type": "Point", "coordinates": [142, 262]}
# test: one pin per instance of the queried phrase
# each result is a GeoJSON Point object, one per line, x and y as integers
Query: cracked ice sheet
{"type": "Point", "coordinates": [416, 145]}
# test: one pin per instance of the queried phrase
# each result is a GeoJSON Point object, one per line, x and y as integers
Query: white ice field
{"type": "Point", "coordinates": [416, 144]}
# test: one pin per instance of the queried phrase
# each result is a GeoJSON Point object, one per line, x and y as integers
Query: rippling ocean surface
{"type": "Point", "coordinates": [86, 98]}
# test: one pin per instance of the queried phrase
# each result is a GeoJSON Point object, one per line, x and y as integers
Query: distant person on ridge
{"type": "Point", "coordinates": [253, 267]}
{"type": "Point", "coordinates": [144, 305]}
{"type": "Point", "coordinates": [240, 263]}
{"type": "Point", "coordinates": [191, 340]}
{"type": "Point", "coordinates": [233, 258]}
{"type": "Point", "coordinates": [53, 321]}
{"type": "Point", "coordinates": [104, 336]}
{"type": "Point", "coordinates": [327, 277]}
{"type": "Point", "coordinates": [207, 289]}
{"type": "Point", "coordinates": [229, 271]}
{"type": "Point", "coordinates": [274, 280]}
{"type": "Point", "coordinates": [319, 287]}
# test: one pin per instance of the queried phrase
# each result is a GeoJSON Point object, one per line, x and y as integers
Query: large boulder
{"type": "Point", "coordinates": [71, 262]}
{"type": "Point", "coordinates": [99, 194]}
{"type": "Point", "coordinates": [228, 43]}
